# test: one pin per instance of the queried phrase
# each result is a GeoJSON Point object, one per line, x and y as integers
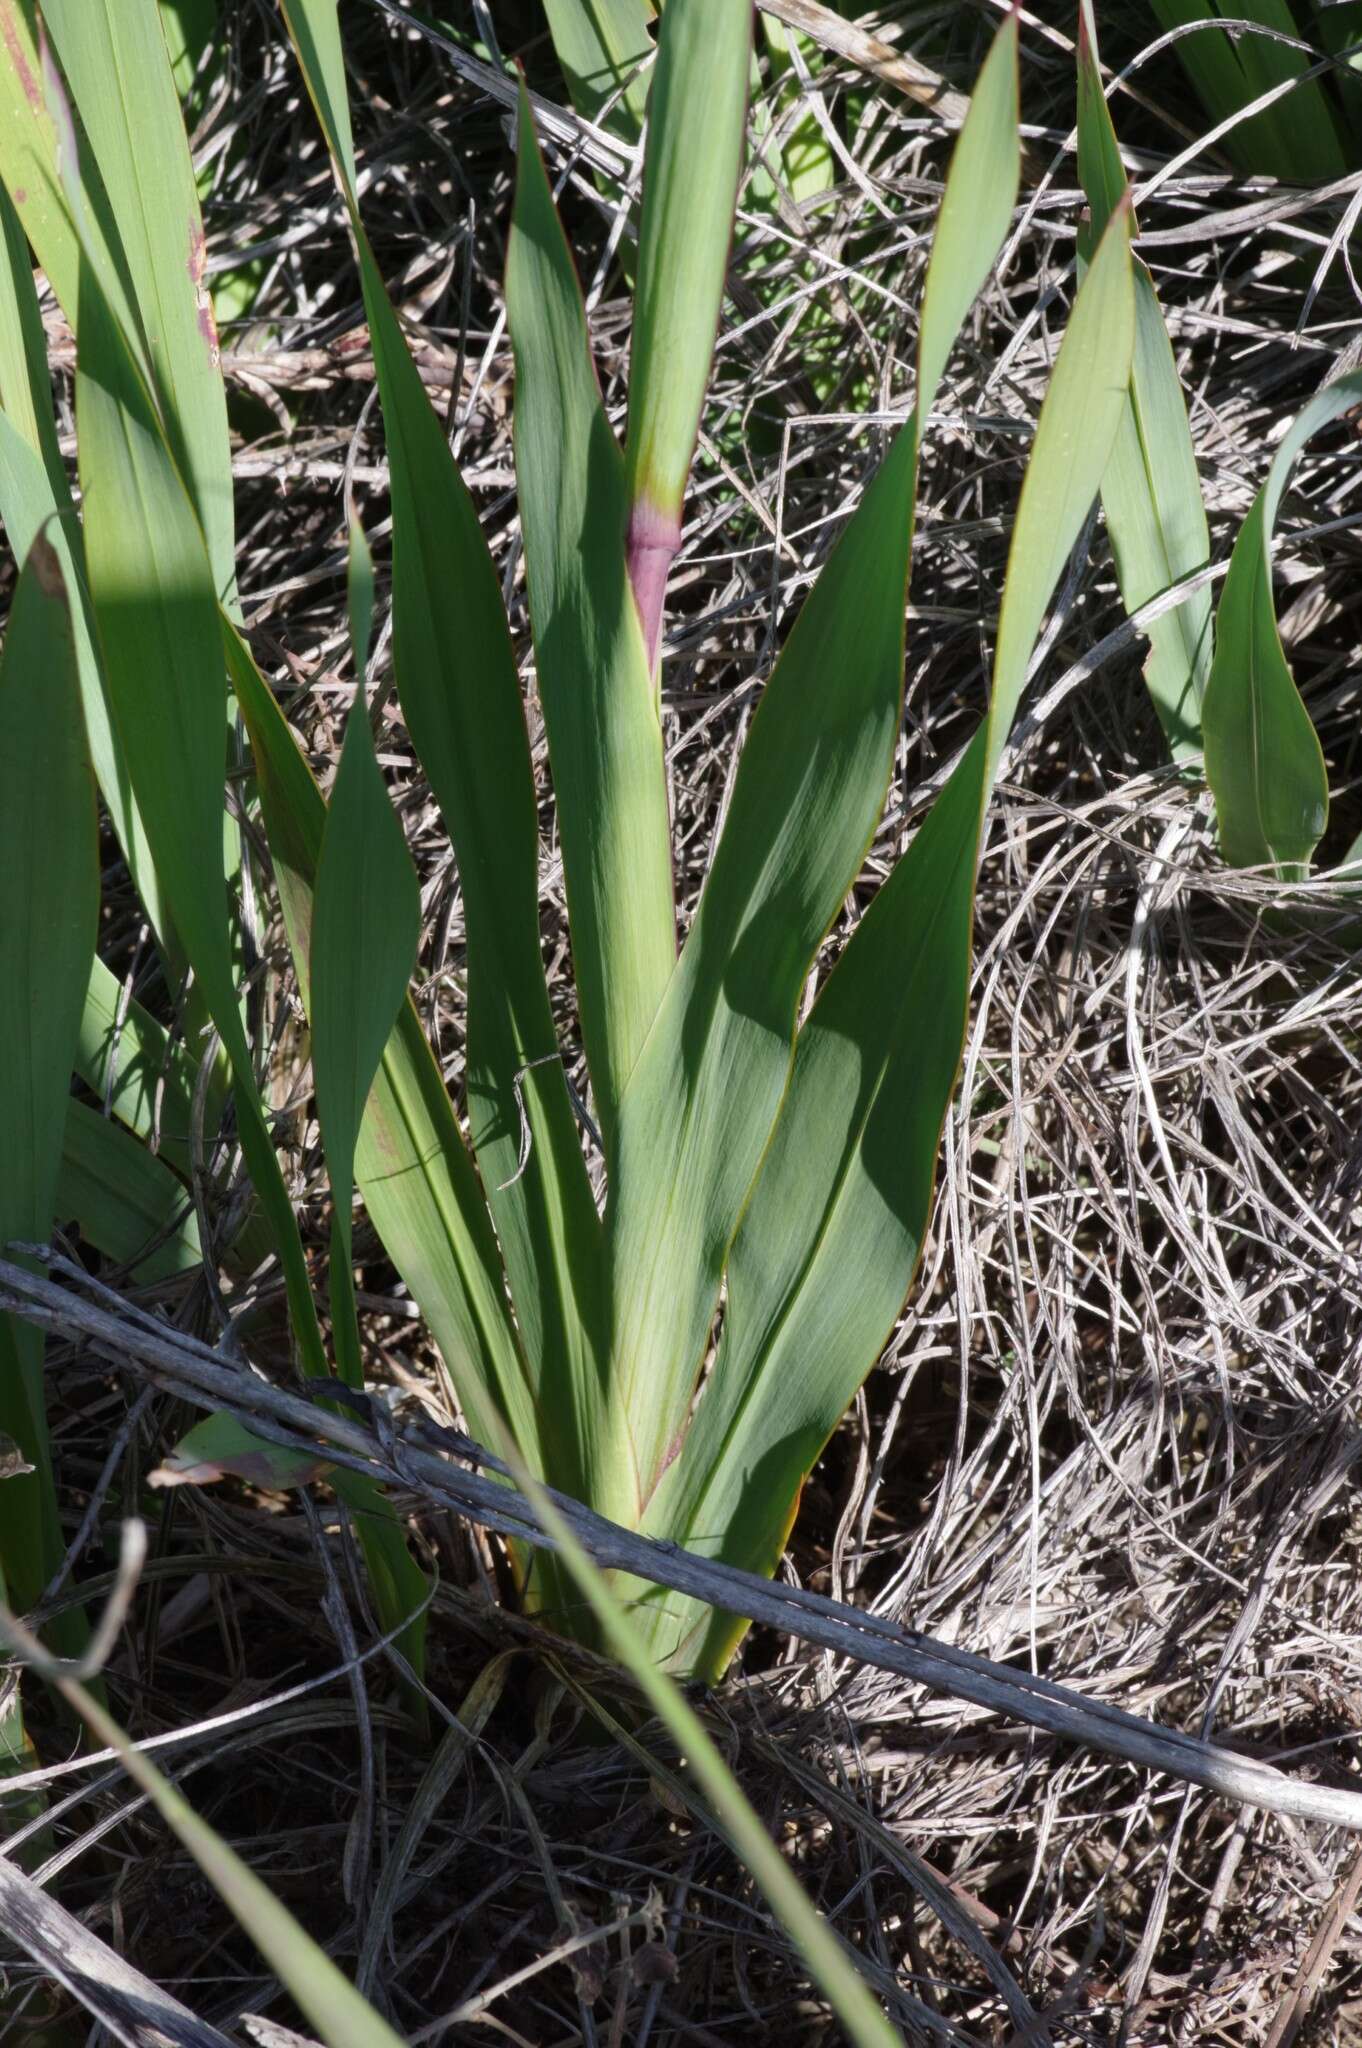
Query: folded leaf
{"type": "Point", "coordinates": [220, 1447]}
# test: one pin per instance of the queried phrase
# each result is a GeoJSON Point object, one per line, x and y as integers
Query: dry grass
{"type": "Point", "coordinates": [1115, 1434]}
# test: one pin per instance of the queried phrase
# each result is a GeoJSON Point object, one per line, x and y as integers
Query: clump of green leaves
{"type": "Point", "coordinates": [787, 1171]}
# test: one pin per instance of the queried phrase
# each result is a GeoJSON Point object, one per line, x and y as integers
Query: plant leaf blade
{"type": "Point", "coordinates": [830, 1240]}
{"type": "Point", "coordinates": [594, 676]}
{"type": "Point", "coordinates": [1263, 758]}
{"type": "Point", "coordinates": [1151, 492]}
{"type": "Point", "coordinates": [691, 168]}
{"type": "Point", "coordinates": [808, 793]}
{"type": "Point", "coordinates": [366, 925]}
{"type": "Point", "coordinates": [49, 902]}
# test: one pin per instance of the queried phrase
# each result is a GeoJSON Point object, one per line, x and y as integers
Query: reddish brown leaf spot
{"type": "Point", "coordinates": [20, 194]}
{"type": "Point", "coordinates": [22, 69]}
{"type": "Point", "coordinates": [196, 266]}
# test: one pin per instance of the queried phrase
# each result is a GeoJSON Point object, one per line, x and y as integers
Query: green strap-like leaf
{"type": "Point", "coordinates": [1263, 759]}
{"type": "Point", "coordinates": [65, 209]}
{"type": "Point", "coordinates": [595, 680]}
{"type": "Point", "coordinates": [25, 385]}
{"type": "Point", "coordinates": [366, 925]}
{"type": "Point", "coordinates": [147, 1080]}
{"type": "Point", "coordinates": [460, 695]}
{"type": "Point", "coordinates": [1293, 139]}
{"type": "Point", "coordinates": [1151, 492]}
{"type": "Point", "coordinates": [690, 183]}
{"type": "Point", "coordinates": [157, 616]}
{"type": "Point", "coordinates": [35, 497]}
{"type": "Point", "coordinates": [49, 907]}
{"type": "Point", "coordinates": [118, 67]}
{"type": "Point", "coordinates": [40, 182]}
{"type": "Point", "coordinates": [413, 1170]}
{"type": "Point", "coordinates": [128, 1204]}
{"type": "Point", "coordinates": [158, 619]}
{"type": "Point", "coordinates": [809, 790]}
{"type": "Point", "coordinates": [604, 47]}
{"type": "Point", "coordinates": [830, 1241]}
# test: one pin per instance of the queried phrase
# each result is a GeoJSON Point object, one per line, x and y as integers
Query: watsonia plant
{"type": "Point", "coordinates": [789, 1175]}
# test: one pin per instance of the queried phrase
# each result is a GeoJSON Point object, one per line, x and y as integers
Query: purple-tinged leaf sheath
{"type": "Point", "coordinates": [653, 539]}
{"type": "Point", "coordinates": [693, 160]}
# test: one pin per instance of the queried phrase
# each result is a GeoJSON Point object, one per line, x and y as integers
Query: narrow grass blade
{"type": "Point", "coordinates": [810, 786]}
{"type": "Point", "coordinates": [690, 186]}
{"type": "Point", "coordinates": [128, 1204]}
{"type": "Point", "coordinates": [1263, 759]}
{"type": "Point", "coordinates": [824, 1956]}
{"type": "Point", "coordinates": [831, 1238]}
{"type": "Point", "coordinates": [594, 676]}
{"type": "Point", "coordinates": [330, 2003]}
{"type": "Point", "coordinates": [49, 907]}
{"type": "Point", "coordinates": [460, 695]}
{"type": "Point", "coordinates": [1151, 492]}
{"type": "Point", "coordinates": [604, 47]}
{"type": "Point", "coordinates": [117, 64]}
